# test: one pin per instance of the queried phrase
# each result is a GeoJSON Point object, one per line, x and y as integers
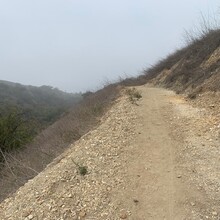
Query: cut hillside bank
{"type": "Point", "coordinates": [192, 69]}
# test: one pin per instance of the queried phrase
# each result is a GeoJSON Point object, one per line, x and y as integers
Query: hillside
{"type": "Point", "coordinates": [45, 104]}
{"type": "Point", "coordinates": [130, 153]}
{"type": "Point", "coordinates": [24, 112]}
{"type": "Point", "coordinates": [146, 160]}
{"type": "Point", "coordinates": [21, 165]}
{"type": "Point", "coordinates": [194, 69]}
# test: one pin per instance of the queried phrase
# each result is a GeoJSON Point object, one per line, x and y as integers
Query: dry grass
{"type": "Point", "coordinates": [190, 74]}
{"type": "Point", "coordinates": [134, 95]}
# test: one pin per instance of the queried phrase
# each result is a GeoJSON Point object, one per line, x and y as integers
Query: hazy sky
{"type": "Point", "coordinates": [77, 45]}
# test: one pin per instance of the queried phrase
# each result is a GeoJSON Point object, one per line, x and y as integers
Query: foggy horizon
{"type": "Point", "coordinates": [77, 46]}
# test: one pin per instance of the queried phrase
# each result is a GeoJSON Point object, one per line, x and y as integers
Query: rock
{"type": "Point", "coordinates": [135, 201]}
{"type": "Point", "coordinates": [70, 196]}
{"type": "Point", "coordinates": [214, 213]}
{"type": "Point", "coordinates": [82, 214]}
{"type": "Point", "coordinates": [30, 217]}
{"type": "Point", "coordinates": [109, 188]}
{"type": "Point", "coordinates": [26, 213]}
{"type": "Point", "coordinates": [123, 215]}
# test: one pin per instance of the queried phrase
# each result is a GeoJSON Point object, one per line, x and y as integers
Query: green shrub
{"type": "Point", "coordinates": [82, 170]}
{"type": "Point", "coordinates": [14, 131]}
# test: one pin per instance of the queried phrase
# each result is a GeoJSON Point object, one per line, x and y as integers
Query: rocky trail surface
{"type": "Point", "coordinates": [157, 158]}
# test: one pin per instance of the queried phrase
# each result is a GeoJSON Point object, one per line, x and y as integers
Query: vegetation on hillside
{"type": "Point", "coordinates": [15, 131]}
{"type": "Point", "coordinates": [45, 104]}
{"type": "Point", "coordinates": [23, 164]}
{"type": "Point", "coordinates": [191, 67]}
{"type": "Point", "coordinates": [26, 110]}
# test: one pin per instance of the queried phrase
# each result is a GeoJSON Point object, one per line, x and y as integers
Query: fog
{"type": "Point", "coordinates": [79, 45]}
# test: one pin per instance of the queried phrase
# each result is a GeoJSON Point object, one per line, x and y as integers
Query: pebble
{"type": "Point", "coordinates": [30, 217]}
{"type": "Point", "coordinates": [70, 196]}
{"type": "Point", "coordinates": [26, 213]}
{"type": "Point", "coordinates": [109, 188]}
{"type": "Point", "coordinates": [82, 214]}
{"type": "Point", "coordinates": [123, 215]}
{"type": "Point", "coordinates": [135, 201]}
{"type": "Point", "coordinates": [214, 213]}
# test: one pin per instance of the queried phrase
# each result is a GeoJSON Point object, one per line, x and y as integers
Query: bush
{"type": "Point", "coordinates": [134, 95]}
{"type": "Point", "coordinates": [14, 131]}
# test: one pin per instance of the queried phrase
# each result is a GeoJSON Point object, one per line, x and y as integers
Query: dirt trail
{"type": "Point", "coordinates": [152, 178]}
{"type": "Point", "coordinates": [142, 164]}
{"type": "Point", "coordinates": [153, 159]}
{"type": "Point", "coordinates": [170, 169]}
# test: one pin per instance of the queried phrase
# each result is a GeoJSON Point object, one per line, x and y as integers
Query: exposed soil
{"type": "Point", "coordinates": [156, 159]}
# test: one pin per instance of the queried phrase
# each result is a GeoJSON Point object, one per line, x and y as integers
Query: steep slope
{"type": "Point", "coordinates": [60, 192]}
{"type": "Point", "coordinates": [194, 69]}
{"type": "Point", "coordinates": [22, 165]}
{"type": "Point", "coordinates": [146, 160]}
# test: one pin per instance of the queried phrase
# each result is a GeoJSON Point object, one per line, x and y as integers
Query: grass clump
{"type": "Point", "coordinates": [134, 95]}
{"type": "Point", "coordinates": [82, 170]}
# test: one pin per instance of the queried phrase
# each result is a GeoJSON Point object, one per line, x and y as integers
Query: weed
{"type": "Point", "coordinates": [83, 170]}
{"type": "Point", "coordinates": [134, 95]}
{"type": "Point", "coordinates": [191, 96]}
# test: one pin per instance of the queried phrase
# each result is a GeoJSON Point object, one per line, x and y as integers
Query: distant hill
{"type": "Point", "coordinates": [45, 104]}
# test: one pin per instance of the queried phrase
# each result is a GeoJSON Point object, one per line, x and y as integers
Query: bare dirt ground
{"type": "Point", "coordinates": [156, 159]}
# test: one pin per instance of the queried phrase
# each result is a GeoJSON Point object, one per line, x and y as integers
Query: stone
{"type": "Point", "coordinates": [214, 213]}
{"type": "Point", "coordinates": [123, 215]}
{"type": "Point", "coordinates": [82, 214]}
{"type": "Point", "coordinates": [192, 204]}
{"type": "Point", "coordinates": [135, 201]}
{"type": "Point", "coordinates": [26, 213]}
{"type": "Point", "coordinates": [30, 217]}
{"type": "Point", "coordinates": [108, 188]}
